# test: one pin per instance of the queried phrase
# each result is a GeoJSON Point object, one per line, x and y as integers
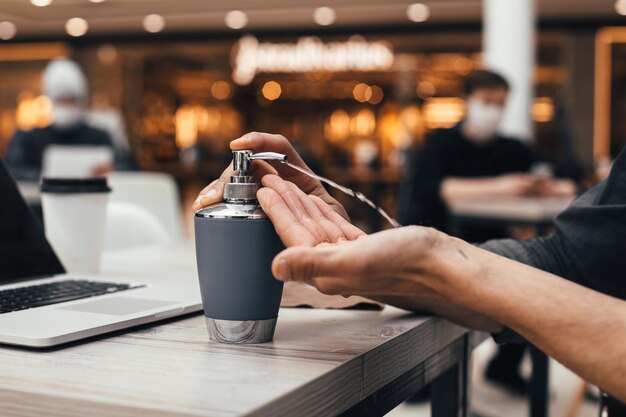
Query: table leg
{"type": "Point", "coordinates": [449, 392]}
{"type": "Point", "coordinates": [539, 383]}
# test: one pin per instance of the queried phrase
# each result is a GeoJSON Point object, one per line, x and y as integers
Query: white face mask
{"type": "Point", "coordinates": [67, 116]}
{"type": "Point", "coordinates": [483, 120]}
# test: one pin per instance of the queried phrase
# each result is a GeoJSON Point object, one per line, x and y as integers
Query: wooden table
{"type": "Point", "coordinates": [322, 362]}
{"type": "Point", "coordinates": [533, 211]}
{"type": "Point", "coordinates": [515, 211]}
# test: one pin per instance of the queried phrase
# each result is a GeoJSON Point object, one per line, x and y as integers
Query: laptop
{"type": "Point", "coordinates": [41, 305]}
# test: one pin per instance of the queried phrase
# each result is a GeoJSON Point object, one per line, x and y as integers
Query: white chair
{"type": "Point", "coordinates": [69, 161]}
{"type": "Point", "coordinates": [130, 226]}
{"type": "Point", "coordinates": [155, 192]}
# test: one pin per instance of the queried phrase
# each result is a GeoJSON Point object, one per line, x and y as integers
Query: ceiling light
{"type": "Point", "coordinates": [76, 26]}
{"type": "Point", "coordinates": [7, 30]}
{"type": "Point", "coordinates": [41, 3]}
{"type": "Point", "coordinates": [97, 1]}
{"type": "Point", "coordinates": [324, 16]}
{"type": "Point", "coordinates": [236, 19]}
{"type": "Point", "coordinates": [620, 7]}
{"type": "Point", "coordinates": [418, 12]}
{"type": "Point", "coordinates": [154, 23]}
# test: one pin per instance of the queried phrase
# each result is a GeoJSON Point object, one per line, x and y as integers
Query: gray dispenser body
{"type": "Point", "coordinates": [235, 247]}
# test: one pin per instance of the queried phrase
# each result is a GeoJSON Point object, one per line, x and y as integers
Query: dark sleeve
{"type": "Point", "coordinates": [587, 244]}
{"type": "Point", "coordinates": [21, 157]}
{"type": "Point", "coordinates": [525, 155]}
{"type": "Point", "coordinates": [427, 170]}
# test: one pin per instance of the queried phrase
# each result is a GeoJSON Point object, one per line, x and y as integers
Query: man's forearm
{"type": "Point", "coordinates": [583, 329]}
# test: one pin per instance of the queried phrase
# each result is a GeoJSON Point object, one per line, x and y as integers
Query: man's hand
{"type": "Point", "coordinates": [409, 261]}
{"type": "Point", "coordinates": [265, 142]}
{"type": "Point", "coordinates": [338, 258]}
{"type": "Point", "coordinates": [515, 185]}
{"type": "Point", "coordinates": [414, 268]}
{"type": "Point", "coordinates": [553, 187]}
{"type": "Point", "coordinates": [302, 219]}
{"type": "Point", "coordinates": [508, 185]}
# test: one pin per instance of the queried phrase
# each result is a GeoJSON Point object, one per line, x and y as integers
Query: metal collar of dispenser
{"type": "Point", "coordinates": [226, 210]}
{"type": "Point", "coordinates": [244, 192]}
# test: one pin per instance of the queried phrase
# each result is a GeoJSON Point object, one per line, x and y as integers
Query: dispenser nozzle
{"type": "Point", "coordinates": [268, 156]}
{"type": "Point", "coordinates": [241, 159]}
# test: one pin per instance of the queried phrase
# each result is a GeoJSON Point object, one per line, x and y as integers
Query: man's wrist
{"type": "Point", "coordinates": [461, 271]}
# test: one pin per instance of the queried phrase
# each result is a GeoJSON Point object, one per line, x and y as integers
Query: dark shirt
{"type": "Point", "coordinates": [587, 246]}
{"type": "Point", "coordinates": [448, 153]}
{"type": "Point", "coordinates": [25, 153]}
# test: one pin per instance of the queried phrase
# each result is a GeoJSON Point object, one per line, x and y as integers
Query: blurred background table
{"type": "Point", "coordinates": [537, 212]}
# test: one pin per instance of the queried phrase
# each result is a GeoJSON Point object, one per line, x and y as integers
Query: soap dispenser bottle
{"type": "Point", "coordinates": [235, 246]}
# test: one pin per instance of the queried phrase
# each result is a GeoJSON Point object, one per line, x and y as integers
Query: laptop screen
{"type": "Point", "coordinates": [24, 250]}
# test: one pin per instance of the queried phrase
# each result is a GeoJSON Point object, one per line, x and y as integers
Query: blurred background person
{"type": "Point", "coordinates": [65, 84]}
{"type": "Point", "coordinates": [106, 117]}
{"type": "Point", "coordinates": [472, 160]}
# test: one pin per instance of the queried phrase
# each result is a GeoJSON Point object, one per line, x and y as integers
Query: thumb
{"type": "Point", "coordinates": [305, 264]}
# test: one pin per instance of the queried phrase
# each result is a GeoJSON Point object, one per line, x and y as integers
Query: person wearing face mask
{"type": "Point", "coordinates": [472, 160]}
{"type": "Point", "coordinates": [65, 84]}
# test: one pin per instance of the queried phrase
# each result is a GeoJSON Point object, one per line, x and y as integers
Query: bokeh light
{"type": "Point", "coordinates": [154, 23]}
{"type": "Point", "coordinates": [418, 12]}
{"type": "Point", "coordinates": [221, 90]}
{"type": "Point", "coordinates": [8, 30]}
{"type": "Point", "coordinates": [324, 16]}
{"type": "Point", "coordinates": [236, 19]}
{"type": "Point", "coordinates": [271, 90]}
{"type": "Point", "coordinates": [76, 26]}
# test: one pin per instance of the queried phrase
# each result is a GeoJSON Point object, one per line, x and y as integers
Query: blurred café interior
{"type": "Point", "coordinates": [356, 86]}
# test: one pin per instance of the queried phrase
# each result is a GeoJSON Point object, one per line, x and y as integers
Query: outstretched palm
{"type": "Point", "coordinates": [302, 219]}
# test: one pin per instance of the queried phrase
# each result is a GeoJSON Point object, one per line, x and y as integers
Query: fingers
{"type": "Point", "coordinates": [331, 268]}
{"type": "Point", "coordinates": [308, 210]}
{"type": "Point", "coordinates": [306, 264]}
{"type": "Point", "coordinates": [295, 200]}
{"type": "Point", "coordinates": [398, 261]}
{"type": "Point", "coordinates": [349, 231]}
{"type": "Point", "coordinates": [214, 192]}
{"type": "Point", "coordinates": [331, 231]}
{"type": "Point", "coordinates": [287, 226]}
{"type": "Point", "coordinates": [267, 142]}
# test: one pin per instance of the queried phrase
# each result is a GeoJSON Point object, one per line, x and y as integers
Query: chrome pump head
{"type": "Point", "coordinates": [241, 189]}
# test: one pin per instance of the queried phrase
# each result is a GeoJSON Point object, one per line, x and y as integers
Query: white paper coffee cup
{"type": "Point", "coordinates": [74, 213]}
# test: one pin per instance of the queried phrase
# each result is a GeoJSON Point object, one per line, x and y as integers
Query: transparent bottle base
{"type": "Point", "coordinates": [241, 332]}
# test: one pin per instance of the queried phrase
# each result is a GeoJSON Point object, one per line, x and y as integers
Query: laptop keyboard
{"type": "Point", "coordinates": [56, 292]}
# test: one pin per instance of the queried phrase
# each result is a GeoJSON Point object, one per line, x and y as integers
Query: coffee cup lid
{"type": "Point", "coordinates": [74, 185]}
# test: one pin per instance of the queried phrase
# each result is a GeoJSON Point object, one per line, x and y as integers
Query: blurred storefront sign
{"type": "Point", "coordinates": [308, 54]}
